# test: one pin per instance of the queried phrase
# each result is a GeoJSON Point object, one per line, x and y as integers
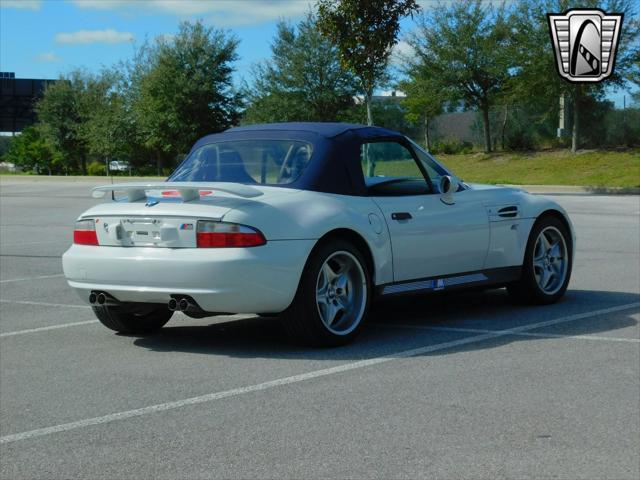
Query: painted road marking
{"type": "Point", "coordinates": [522, 334]}
{"type": "Point", "coordinates": [43, 304]}
{"type": "Point", "coordinates": [65, 427]}
{"type": "Point", "coordinates": [40, 277]}
{"type": "Point", "coordinates": [33, 243]}
{"type": "Point", "coordinates": [239, 316]}
{"type": "Point", "coordinates": [44, 329]}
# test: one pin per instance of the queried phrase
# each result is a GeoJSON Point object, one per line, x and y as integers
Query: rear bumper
{"type": "Point", "coordinates": [234, 280]}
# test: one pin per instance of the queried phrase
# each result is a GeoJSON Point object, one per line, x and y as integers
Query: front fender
{"type": "Point", "coordinates": [536, 206]}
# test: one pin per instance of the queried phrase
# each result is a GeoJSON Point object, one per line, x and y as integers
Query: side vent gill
{"type": "Point", "coordinates": [503, 212]}
{"type": "Point", "coordinates": [508, 212]}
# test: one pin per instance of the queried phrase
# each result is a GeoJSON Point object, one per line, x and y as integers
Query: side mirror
{"type": "Point", "coordinates": [448, 186]}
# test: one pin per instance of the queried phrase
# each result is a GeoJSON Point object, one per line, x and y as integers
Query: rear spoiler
{"type": "Point", "coordinates": [188, 191]}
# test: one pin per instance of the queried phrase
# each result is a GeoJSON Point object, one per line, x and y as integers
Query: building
{"type": "Point", "coordinates": [18, 97]}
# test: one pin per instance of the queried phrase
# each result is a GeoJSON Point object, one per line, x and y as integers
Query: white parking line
{"type": "Point", "coordinates": [32, 243]}
{"type": "Point", "coordinates": [76, 324]}
{"type": "Point", "coordinates": [522, 334]}
{"type": "Point", "coordinates": [43, 304]}
{"type": "Point", "coordinates": [298, 378]}
{"type": "Point", "coordinates": [40, 277]}
{"type": "Point", "coordinates": [44, 329]}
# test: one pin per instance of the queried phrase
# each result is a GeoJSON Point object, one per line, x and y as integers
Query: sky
{"type": "Point", "coordinates": [47, 38]}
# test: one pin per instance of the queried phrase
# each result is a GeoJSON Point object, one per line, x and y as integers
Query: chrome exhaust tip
{"type": "Point", "coordinates": [173, 305]}
{"type": "Point", "coordinates": [103, 299]}
{"type": "Point", "coordinates": [184, 304]}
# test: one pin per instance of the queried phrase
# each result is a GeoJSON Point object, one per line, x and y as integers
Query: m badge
{"type": "Point", "coordinates": [585, 43]}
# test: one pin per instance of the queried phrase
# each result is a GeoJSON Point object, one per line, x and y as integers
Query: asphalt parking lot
{"type": "Point", "coordinates": [450, 386]}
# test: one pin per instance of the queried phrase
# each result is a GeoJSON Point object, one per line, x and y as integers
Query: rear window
{"type": "Point", "coordinates": [266, 162]}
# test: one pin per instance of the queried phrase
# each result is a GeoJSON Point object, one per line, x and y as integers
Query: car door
{"type": "Point", "coordinates": [429, 237]}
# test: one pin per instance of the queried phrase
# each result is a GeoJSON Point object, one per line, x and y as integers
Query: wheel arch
{"type": "Point", "coordinates": [356, 239]}
{"type": "Point", "coordinates": [560, 216]}
{"type": "Point", "coordinates": [525, 289]}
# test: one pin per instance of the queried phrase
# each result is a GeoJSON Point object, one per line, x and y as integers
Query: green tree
{"type": "Point", "coordinates": [185, 91]}
{"type": "Point", "coordinates": [389, 112]}
{"type": "Point", "coordinates": [364, 32]}
{"type": "Point", "coordinates": [32, 151]}
{"type": "Point", "coordinates": [303, 80]}
{"type": "Point", "coordinates": [5, 144]}
{"type": "Point", "coordinates": [107, 130]}
{"type": "Point", "coordinates": [83, 115]}
{"type": "Point", "coordinates": [462, 50]}
{"type": "Point", "coordinates": [424, 100]}
{"type": "Point", "coordinates": [536, 79]}
{"type": "Point", "coordinates": [62, 113]}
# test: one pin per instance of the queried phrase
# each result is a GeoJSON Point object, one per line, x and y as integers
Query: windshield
{"type": "Point", "coordinates": [434, 169]}
{"type": "Point", "coordinates": [266, 162]}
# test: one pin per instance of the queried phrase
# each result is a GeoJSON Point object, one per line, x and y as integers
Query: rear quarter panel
{"type": "Point", "coordinates": [310, 215]}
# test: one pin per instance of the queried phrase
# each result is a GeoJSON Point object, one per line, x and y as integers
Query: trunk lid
{"type": "Point", "coordinates": [163, 219]}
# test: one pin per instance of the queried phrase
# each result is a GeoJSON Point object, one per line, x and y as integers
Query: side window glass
{"type": "Point", "coordinates": [389, 169]}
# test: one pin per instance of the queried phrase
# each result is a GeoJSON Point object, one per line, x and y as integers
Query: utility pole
{"type": "Point", "coordinates": [624, 119]}
{"type": "Point", "coordinates": [561, 118]}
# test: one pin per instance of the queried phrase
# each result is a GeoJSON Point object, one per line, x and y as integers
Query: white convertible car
{"type": "Point", "coordinates": [312, 222]}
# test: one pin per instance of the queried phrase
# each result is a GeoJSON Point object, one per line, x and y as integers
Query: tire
{"type": "Point", "coordinates": [552, 261]}
{"type": "Point", "coordinates": [335, 283]}
{"type": "Point", "coordinates": [125, 320]}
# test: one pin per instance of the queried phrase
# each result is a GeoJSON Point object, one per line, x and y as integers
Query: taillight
{"type": "Point", "coordinates": [220, 235]}
{"type": "Point", "coordinates": [84, 232]}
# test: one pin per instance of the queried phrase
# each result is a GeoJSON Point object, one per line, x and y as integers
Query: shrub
{"type": "Point", "coordinates": [451, 146]}
{"type": "Point", "coordinates": [96, 168]}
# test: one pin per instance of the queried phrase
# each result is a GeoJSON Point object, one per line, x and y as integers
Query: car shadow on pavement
{"type": "Point", "coordinates": [402, 324]}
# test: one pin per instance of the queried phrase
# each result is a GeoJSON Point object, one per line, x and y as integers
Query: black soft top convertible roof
{"type": "Point", "coordinates": [335, 162]}
{"type": "Point", "coordinates": [327, 130]}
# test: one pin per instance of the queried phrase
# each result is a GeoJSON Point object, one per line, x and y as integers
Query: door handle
{"type": "Point", "coordinates": [401, 216]}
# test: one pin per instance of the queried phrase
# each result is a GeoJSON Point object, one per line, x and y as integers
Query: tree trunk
{"type": "Point", "coordinates": [370, 162]}
{"type": "Point", "coordinates": [367, 100]}
{"type": "Point", "coordinates": [504, 125]}
{"type": "Point", "coordinates": [427, 137]}
{"type": "Point", "coordinates": [574, 126]}
{"type": "Point", "coordinates": [159, 164]}
{"type": "Point", "coordinates": [487, 128]}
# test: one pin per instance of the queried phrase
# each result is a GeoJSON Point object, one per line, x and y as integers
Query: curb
{"type": "Point", "coordinates": [576, 190]}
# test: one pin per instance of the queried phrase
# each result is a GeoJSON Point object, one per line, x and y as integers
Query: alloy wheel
{"type": "Point", "coordinates": [550, 260]}
{"type": "Point", "coordinates": [341, 292]}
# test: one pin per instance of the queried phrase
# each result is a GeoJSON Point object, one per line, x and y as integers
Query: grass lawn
{"type": "Point", "coordinates": [593, 168]}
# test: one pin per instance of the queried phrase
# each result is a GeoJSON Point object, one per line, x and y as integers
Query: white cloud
{"type": "Point", "coordinates": [224, 13]}
{"type": "Point", "coordinates": [252, 13]}
{"type": "Point", "coordinates": [401, 53]}
{"type": "Point", "coordinates": [403, 48]}
{"type": "Point", "coordinates": [48, 57]}
{"type": "Point", "coordinates": [166, 37]}
{"type": "Point", "coordinates": [177, 7]}
{"type": "Point", "coordinates": [21, 4]}
{"type": "Point", "coordinates": [94, 36]}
